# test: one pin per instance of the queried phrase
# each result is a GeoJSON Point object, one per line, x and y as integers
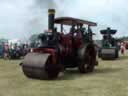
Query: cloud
{"type": "Point", "coordinates": [107, 13]}
{"type": "Point", "coordinates": [13, 16]}
{"type": "Point", "coordinates": [21, 18]}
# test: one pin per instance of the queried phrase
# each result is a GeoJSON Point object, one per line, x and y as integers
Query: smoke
{"type": "Point", "coordinates": [13, 16]}
{"type": "Point", "coordinates": [22, 18]}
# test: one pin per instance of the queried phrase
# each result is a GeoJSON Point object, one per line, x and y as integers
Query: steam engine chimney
{"type": "Point", "coordinates": [51, 17]}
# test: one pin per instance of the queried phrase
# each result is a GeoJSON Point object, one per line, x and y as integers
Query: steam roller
{"type": "Point", "coordinates": [57, 51]}
{"type": "Point", "coordinates": [109, 50]}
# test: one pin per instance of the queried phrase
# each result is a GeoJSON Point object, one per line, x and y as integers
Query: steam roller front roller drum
{"type": "Point", "coordinates": [108, 54]}
{"type": "Point", "coordinates": [38, 65]}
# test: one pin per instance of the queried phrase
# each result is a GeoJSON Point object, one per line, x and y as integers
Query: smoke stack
{"type": "Point", "coordinates": [51, 17]}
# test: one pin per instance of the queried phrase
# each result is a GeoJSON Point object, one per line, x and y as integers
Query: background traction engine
{"type": "Point", "coordinates": [109, 49]}
{"type": "Point", "coordinates": [58, 51]}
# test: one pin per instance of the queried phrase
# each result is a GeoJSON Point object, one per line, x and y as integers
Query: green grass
{"type": "Point", "coordinates": [109, 79]}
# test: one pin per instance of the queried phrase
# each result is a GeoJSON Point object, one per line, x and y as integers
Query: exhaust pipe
{"type": "Point", "coordinates": [51, 17]}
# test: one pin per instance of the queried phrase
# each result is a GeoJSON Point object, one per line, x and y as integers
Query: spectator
{"type": "Point", "coordinates": [6, 51]}
{"type": "Point", "coordinates": [122, 48]}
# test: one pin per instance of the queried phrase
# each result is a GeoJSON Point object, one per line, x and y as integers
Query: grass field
{"type": "Point", "coordinates": [109, 79]}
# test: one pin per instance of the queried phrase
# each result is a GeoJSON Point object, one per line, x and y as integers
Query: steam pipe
{"type": "Point", "coordinates": [51, 17]}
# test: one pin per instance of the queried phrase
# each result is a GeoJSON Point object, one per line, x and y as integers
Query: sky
{"type": "Point", "coordinates": [22, 18]}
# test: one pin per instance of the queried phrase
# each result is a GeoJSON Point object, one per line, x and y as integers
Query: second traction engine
{"type": "Point", "coordinates": [109, 49]}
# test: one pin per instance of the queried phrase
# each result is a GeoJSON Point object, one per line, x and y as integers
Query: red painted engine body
{"type": "Point", "coordinates": [67, 44]}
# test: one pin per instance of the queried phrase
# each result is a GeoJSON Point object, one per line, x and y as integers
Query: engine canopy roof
{"type": "Point", "coordinates": [108, 31]}
{"type": "Point", "coordinates": [73, 21]}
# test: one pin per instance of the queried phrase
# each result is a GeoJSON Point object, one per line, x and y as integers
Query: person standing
{"type": "Point", "coordinates": [6, 51]}
{"type": "Point", "coordinates": [122, 48]}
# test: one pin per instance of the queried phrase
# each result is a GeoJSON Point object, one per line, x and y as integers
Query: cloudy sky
{"type": "Point", "coordinates": [21, 18]}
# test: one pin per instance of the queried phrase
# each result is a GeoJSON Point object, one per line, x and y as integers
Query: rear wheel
{"type": "Point", "coordinates": [83, 65]}
{"type": "Point", "coordinates": [88, 63]}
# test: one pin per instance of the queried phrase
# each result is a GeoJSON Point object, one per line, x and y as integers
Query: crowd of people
{"type": "Point", "coordinates": [13, 51]}
{"type": "Point", "coordinates": [16, 51]}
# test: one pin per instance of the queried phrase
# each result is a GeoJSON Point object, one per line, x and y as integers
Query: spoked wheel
{"type": "Point", "coordinates": [88, 63]}
{"type": "Point", "coordinates": [91, 65]}
{"type": "Point", "coordinates": [84, 64]}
